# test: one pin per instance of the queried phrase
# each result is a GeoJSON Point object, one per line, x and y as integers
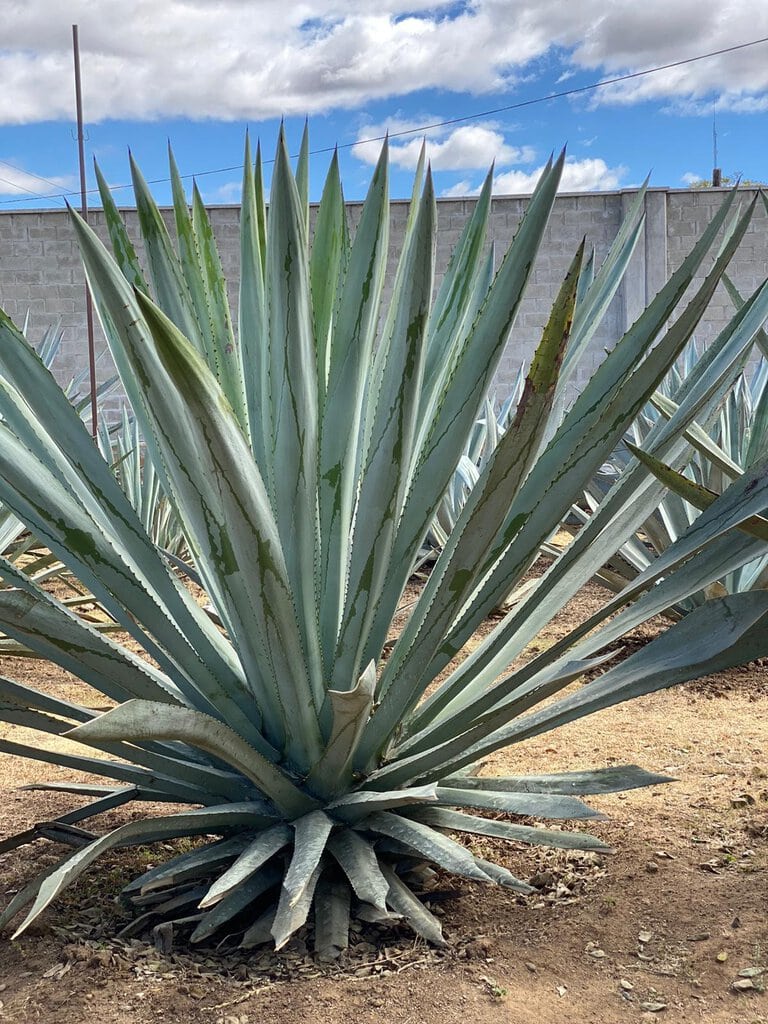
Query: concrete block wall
{"type": "Point", "coordinates": [40, 268]}
{"type": "Point", "coordinates": [595, 217]}
{"type": "Point", "coordinates": [688, 213]}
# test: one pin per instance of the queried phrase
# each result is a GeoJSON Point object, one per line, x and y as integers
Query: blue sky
{"type": "Point", "coordinates": [199, 72]}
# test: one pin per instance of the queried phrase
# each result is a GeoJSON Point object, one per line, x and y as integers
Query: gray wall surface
{"type": "Point", "coordinates": [40, 270]}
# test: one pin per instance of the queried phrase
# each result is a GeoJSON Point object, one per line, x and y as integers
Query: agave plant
{"type": "Point", "coordinates": [734, 438]}
{"type": "Point", "coordinates": [305, 455]}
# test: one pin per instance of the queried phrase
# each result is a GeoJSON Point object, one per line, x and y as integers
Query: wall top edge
{"type": "Point", "coordinates": [444, 200]}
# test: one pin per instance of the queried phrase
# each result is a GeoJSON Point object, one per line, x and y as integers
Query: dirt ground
{"type": "Point", "coordinates": [659, 930]}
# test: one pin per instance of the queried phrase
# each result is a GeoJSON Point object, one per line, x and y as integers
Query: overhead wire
{"type": "Point", "coordinates": [29, 174]}
{"type": "Point", "coordinates": [26, 193]}
{"type": "Point", "coordinates": [520, 104]}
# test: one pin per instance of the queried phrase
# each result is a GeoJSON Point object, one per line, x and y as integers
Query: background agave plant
{"type": "Point", "coordinates": [305, 454]}
{"type": "Point", "coordinates": [594, 293]}
{"type": "Point", "coordinates": [485, 434]}
{"type": "Point", "coordinates": [732, 438]}
{"type": "Point", "coordinates": [17, 544]}
{"type": "Point", "coordinates": [123, 446]}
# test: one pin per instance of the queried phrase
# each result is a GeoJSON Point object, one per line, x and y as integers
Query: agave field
{"type": "Point", "coordinates": [301, 446]}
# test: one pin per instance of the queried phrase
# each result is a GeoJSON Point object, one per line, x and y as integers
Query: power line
{"type": "Point", "coordinates": [552, 96]}
{"type": "Point", "coordinates": [30, 174]}
{"type": "Point", "coordinates": [26, 193]}
{"type": "Point", "coordinates": [563, 94]}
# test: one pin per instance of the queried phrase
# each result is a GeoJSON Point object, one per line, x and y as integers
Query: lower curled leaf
{"type": "Point", "coordinates": [403, 902]}
{"type": "Point", "coordinates": [602, 780]}
{"type": "Point", "coordinates": [356, 806]}
{"type": "Point", "coordinates": [260, 931]}
{"type": "Point", "coordinates": [427, 842]}
{"type": "Point", "coordinates": [256, 854]}
{"type": "Point", "coordinates": [189, 823]}
{"type": "Point", "coordinates": [440, 817]}
{"type": "Point", "coordinates": [146, 720]}
{"type": "Point", "coordinates": [292, 911]}
{"type": "Point", "coordinates": [195, 864]}
{"type": "Point", "coordinates": [28, 893]}
{"type": "Point", "coordinates": [237, 901]}
{"type": "Point", "coordinates": [502, 876]}
{"type": "Point", "coordinates": [332, 906]}
{"type": "Point", "coordinates": [535, 805]}
{"type": "Point", "coordinates": [360, 864]}
{"type": "Point", "coordinates": [311, 835]}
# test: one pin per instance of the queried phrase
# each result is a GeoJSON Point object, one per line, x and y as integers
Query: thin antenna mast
{"type": "Point", "coordinates": [717, 174]}
{"type": "Point", "coordinates": [84, 212]}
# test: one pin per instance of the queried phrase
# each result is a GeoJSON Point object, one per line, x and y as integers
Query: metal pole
{"type": "Point", "coordinates": [84, 211]}
{"type": "Point", "coordinates": [717, 174]}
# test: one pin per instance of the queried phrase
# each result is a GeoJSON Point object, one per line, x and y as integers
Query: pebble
{"type": "Point", "coordinates": [626, 985]}
{"type": "Point", "coordinates": [644, 936]}
{"type": "Point", "coordinates": [653, 1007]}
{"type": "Point", "coordinates": [751, 972]}
{"type": "Point", "coordinates": [651, 867]}
{"type": "Point", "coordinates": [743, 985]}
{"type": "Point", "coordinates": [721, 957]}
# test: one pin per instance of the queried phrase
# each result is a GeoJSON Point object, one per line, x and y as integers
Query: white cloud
{"type": "Point", "coordinates": [241, 60]}
{"type": "Point", "coordinates": [229, 192]}
{"type": "Point", "coordinates": [369, 135]}
{"type": "Point", "coordinates": [460, 190]}
{"type": "Point", "coordinates": [744, 104]}
{"type": "Point", "coordinates": [690, 178]}
{"type": "Point", "coordinates": [589, 175]}
{"type": "Point", "coordinates": [625, 37]}
{"type": "Point", "coordinates": [467, 147]}
{"type": "Point", "coordinates": [729, 101]}
{"type": "Point", "coordinates": [15, 181]}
